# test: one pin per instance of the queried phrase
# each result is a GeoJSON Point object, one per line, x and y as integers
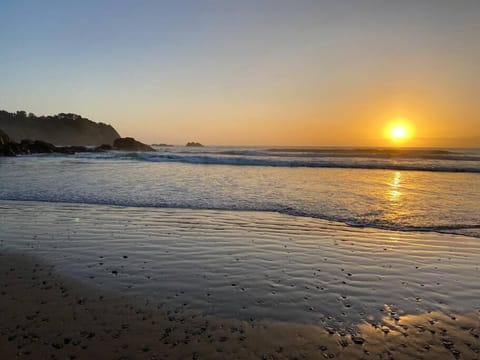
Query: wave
{"type": "Point", "coordinates": [366, 153]}
{"type": "Point", "coordinates": [425, 154]}
{"type": "Point", "coordinates": [253, 159]}
{"type": "Point", "coordinates": [387, 152]}
{"type": "Point", "coordinates": [472, 230]}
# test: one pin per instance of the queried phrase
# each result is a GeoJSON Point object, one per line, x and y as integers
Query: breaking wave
{"type": "Point", "coordinates": [439, 162]}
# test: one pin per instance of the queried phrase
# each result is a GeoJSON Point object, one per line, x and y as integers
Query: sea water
{"type": "Point", "coordinates": [433, 190]}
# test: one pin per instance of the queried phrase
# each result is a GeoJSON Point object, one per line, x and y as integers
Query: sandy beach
{"type": "Point", "coordinates": [44, 315]}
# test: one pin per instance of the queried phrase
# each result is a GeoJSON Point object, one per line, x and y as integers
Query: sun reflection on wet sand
{"type": "Point", "coordinates": [431, 335]}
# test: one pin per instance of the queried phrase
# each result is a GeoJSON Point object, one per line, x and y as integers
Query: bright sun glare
{"type": "Point", "coordinates": [398, 131]}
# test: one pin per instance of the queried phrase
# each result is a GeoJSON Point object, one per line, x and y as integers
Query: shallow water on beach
{"type": "Point", "coordinates": [251, 265]}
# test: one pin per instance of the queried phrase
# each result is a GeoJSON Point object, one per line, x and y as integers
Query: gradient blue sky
{"type": "Point", "coordinates": [249, 72]}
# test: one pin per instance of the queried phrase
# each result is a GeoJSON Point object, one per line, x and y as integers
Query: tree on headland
{"type": "Point", "coordinates": [21, 114]}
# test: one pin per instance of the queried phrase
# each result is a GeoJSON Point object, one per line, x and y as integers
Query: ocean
{"type": "Point", "coordinates": [408, 189]}
{"type": "Point", "coordinates": [325, 236]}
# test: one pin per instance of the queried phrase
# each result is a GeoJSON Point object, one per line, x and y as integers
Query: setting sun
{"type": "Point", "coordinates": [398, 131]}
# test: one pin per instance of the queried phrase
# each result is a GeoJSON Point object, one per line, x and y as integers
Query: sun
{"type": "Point", "coordinates": [398, 131]}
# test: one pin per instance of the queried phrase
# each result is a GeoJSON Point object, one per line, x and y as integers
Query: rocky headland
{"type": "Point", "coordinates": [60, 129]}
{"type": "Point", "coordinates": [81, 135]}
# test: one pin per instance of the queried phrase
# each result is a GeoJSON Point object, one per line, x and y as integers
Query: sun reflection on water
{"type": "Point", "coordinates": [394, 192]}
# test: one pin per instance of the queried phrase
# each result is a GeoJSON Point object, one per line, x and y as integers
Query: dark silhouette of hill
{"type": "Point", "coordinates": [61, 129]}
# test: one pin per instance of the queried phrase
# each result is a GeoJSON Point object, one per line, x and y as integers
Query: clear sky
{"type": "Point", "coordinates": [250, 72]}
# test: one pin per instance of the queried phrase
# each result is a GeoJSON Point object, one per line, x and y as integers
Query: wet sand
{"type": "Point", "coordinates": [250, 265]}
{"type": "Point", "coordinates": [45, 315]}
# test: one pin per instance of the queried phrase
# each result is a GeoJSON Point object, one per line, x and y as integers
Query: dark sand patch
{"type": "Point", "coordinates": [44, 315]}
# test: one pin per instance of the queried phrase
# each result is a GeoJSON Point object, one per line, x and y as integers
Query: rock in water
{"type": "Point", "coordinates": [40, 147]}
{"type": "Point", "coordinates": [103, 148]}
{"type": "Point", "coordinates": [194, 144]}
{"type": "Point", "coordinates": [27, 147]}
{"type": "Point", "coordinates": [130, 144]}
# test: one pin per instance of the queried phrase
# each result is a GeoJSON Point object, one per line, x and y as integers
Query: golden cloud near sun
{"type": "Point", "coordinates": [398, 131]}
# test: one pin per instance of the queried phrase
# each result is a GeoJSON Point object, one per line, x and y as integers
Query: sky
{"type": "Point", "coordinates": [331, 73]}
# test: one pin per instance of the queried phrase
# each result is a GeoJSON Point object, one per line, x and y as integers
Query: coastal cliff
{"type": "Point", "coordinates": [60, 129]}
